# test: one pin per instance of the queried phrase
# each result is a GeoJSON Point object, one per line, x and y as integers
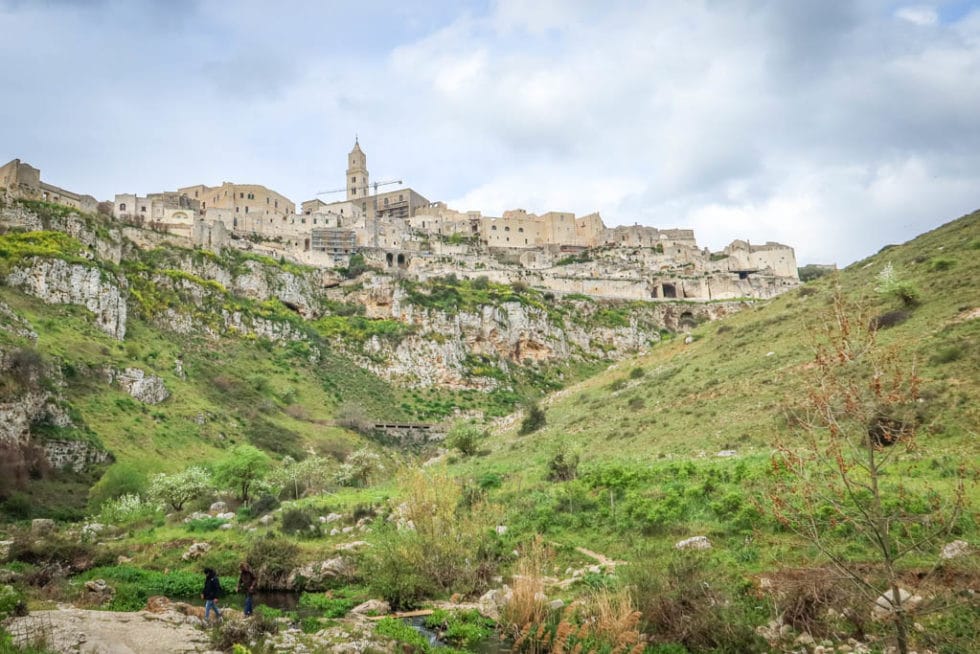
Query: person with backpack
{"type": "Point", "coordinates": [246, 584]}
{"type": "Point", "coordinates": [210, 594]}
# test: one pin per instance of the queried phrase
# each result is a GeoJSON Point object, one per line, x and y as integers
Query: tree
{"type": "Point", "coordinates": [465, 437]}
{"type": "Point", "coordinates": [241, 469]}
{"type": "Point", "coordinates": [358, 468]}
{"type": "Point", "coordinates": [297, 478]}
{"type": "Point", "coordinates": [179, 488]}
{"type": "Point", "coordinates": [840, 477]}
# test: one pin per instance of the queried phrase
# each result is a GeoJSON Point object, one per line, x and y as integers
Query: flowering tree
{"type": "Point", "coordinates": [179, 488]}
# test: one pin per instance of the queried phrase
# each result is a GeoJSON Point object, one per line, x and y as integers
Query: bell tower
{"type": "Point", "coordinates": [357, 174]}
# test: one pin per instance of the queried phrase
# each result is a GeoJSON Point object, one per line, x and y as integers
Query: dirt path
{"type": "Point", "coordinates": [78, 631]}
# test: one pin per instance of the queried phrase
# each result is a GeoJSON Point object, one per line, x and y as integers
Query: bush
{"type": "Point", "coordinates": [11, 602]}
{"type": "Point", "coordinates": [272, 558]}
{"type": "Point", "coordinates": [947, 354]}
{"type": "Point", "coordinates": [452, 548]}
{"type": "Point", "coordinates": [120, 479]}
{"type": "Point", "coordinates": [684, 605]}
{"type": "Point", "coordinates": [297, 521]}
{"type": "Point", "coordinates": [534, 420]}
{"type": "Point", "coordinates": [129, 510]}
{"type": "Point", "coordinates": [563, 465]}
{"type": "Point", "coordinates": [465, 437]}
{"type": "Point", "coordinates": [889, 285]}
{"type": "Point", "coordinates": [889, 319]}
{"type": "Point", "coordinates": [205, 525]}
{"type": "Point", "coordinates": [329, 607]}
{"type": "Point", "coordinates": [636, 373]}
{"type": "Point", "coordinates": [938, 264]}
{"type": "Point", "coordinates": [263, 505]}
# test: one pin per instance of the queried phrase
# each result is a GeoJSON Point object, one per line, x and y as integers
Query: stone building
{"type": "Point", "coordinates": [252, 208]}
{"type": "Point", "coordinates": [24, 181]}
{"type": "Point", "coordinates": [363, 196]}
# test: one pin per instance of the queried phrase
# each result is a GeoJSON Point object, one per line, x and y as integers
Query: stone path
{"type": "Point", "coordinates": [78, 631]}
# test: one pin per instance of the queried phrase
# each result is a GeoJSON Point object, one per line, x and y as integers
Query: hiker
{"type": "Point", "coordinates": [212, 589]}
{"type": "Point", "coordinates": [246, 584]}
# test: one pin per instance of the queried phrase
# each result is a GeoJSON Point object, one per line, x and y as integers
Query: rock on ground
{"type": "Point", "coordinates": [70, 630]}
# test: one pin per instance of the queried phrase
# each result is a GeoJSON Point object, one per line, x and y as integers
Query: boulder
{"type": "Point", "coordinates": [5, 546]}
{"type": "Point", "coordinates": [694, 543]}
{"type": "Point", "coordinates": [884, 605]}
{"type": "Point", "coordinates": [197, 515]}
{"type": "Point", "coordinates": [372, 607]}
{"type": "Point", "coordinates": [351, 546]}
{"type": "Point", "coordinates": [148, 389]}
{"type": "Point", "coordinates": [218, 507]}
{"type": "Point", "coordinates": [42, 526]}
{"type": "Point", "coordinates": [313, 576]}
{"type": "Point", "coordinates": [955, 549]}
{"type": "Point", "coordinates": [228, 515]}
{"type": "Point", "coordinates": [98, 592]}
{"type": "Point", "coordinates": [196, 551]}
{"type": "Point", "coordinates": [501, 530]}
{"type": "Point", "coordinates": [267, 520]}
{"type": "Point", "coordinates": [493, 601]}
{"type": "Point", "coordinates": [92, 530]}
{"type": "Point", "coordinates": [333, 517]}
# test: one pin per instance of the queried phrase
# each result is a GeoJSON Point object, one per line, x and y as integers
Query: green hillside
{"type": "Point", "coordinates": [726, 389]}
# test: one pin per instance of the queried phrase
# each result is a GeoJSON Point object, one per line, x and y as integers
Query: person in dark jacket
{"type": "Point", "coordinates": [246, 584]}
{"type": "Point", "coordinates": [210, 594]}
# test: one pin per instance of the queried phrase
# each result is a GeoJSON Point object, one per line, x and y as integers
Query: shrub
{"type": "Point", "coordinates": [129, 510]}
{"type": "Point", "coordinates": [120, 479]}
{"type": "Point", "coordinates": [263, 505]}
{"type": "Point", "coordinates": [889, 285]}
{"type": "Point", "coordinates": [534, 420]}
{"type": "Point", "coordinates": [682, 604]}
{"type": "Point", "coordinates": [947, 354]}
{"type": "Point", "coordinates": [563, 465]}
{"type": "Point", "coordinates": [296, 521]}
{"type": "Point", "coordinates": [11, 602]}
{"type": "Point", "coordinates": [437, 544]}
{"type": "Point", "coordinates": [636, 373]}
{"type": "Point", "coordinates": [889, 319]}
{"type": "Point", "coordinates": [272, 558]}
{"type": "Point", "coordinates": [938, 264]}
{"type": "Point", "coordinates": [360, 466]}
{"type": "Point", "coordinates": [329, 607]}
{"type": "Point", "coordinates": [204, 525]}
{"type": "Point", "coordinates": [465, 437]}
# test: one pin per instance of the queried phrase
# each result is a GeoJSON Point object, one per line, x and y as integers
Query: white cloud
{"type": "Point", "coordinates": [921, 15]}
{"type": "Point", "coordinates": [834, 127]}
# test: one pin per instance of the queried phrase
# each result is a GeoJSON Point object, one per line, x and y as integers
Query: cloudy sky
{"type": "Point", "coordinates": [835, 126]}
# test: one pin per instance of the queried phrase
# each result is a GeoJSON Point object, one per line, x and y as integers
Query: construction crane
{"type": "Point", "coordinates": [375, 186]}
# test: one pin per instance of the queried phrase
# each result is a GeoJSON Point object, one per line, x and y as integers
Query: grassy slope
{"type": "Point", "coordinates": [648, 442]}
{"type": "Point", "coordinates": [725, 390]}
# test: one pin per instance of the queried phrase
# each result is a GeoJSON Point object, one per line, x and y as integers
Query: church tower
{"type": "Point", "coordinates": [357, 174]}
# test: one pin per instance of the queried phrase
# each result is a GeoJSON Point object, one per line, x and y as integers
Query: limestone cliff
{"type": "Point", "coordinates": [56, 281]}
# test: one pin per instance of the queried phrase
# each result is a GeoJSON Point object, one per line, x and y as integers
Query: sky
{"type": "Point", "coordinates": [833, 126]}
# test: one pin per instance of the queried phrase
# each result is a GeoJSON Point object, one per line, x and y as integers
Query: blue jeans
{"type": "Point", "coordinates": [248, 603]}
{"type": "Point", "coordinates": [208, 605]}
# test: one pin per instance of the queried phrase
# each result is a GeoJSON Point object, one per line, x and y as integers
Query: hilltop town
{"type": "Point", "coordinates": [402, 232]}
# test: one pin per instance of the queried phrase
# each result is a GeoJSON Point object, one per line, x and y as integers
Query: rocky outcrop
{"type": "Point", "coordinates": [148, 389]}
{"type": "Point", "coordinates": [56, 281]}
{"type": "Point", "coordinates": [440, 347]}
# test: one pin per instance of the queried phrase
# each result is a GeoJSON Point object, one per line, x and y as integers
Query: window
{"type": "Point", "coordinates": [353, 191]}
{"type": "Point", "coordinates": [267, 199]}
{"type": "Point", "coordinates": [143, 209]}
{"type": "Point", "coordinates": [195, 194]}
{"type": "Point", "coordinates": [521, 230]}
{"type": "Point", "coordinates": [276, 205]}
{"type": "Point", "coordinates": [353, 180]}
{"type": "Point", "coordinates": [234, 222]}
{"type": "Point", "coordinates": [241, 195]}
{"type": "Point", "coordinates": [386, 202]}
{"type": "Point", "coordinates": [400, 198]}
{"type": "Point", "coordinates": [493, 228]}
{"type": "Point", "coordinates": [507, 228]}
{"type": "Point", "coordinates": [246, 209]}
{"type": "Point", "coordinates": [122, 207]}
{"type": "Point", "coordinates": [236, 209]}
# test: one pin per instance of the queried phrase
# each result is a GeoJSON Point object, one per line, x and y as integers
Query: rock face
{"type": "Point", "coordinates": [55, 281]}
{"type": "Point", "coordinates": [441, 346]}
{"type": "Point", "coordinates": [148, 389]}
{"type": "Point", "coordinates": [314, 576]}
